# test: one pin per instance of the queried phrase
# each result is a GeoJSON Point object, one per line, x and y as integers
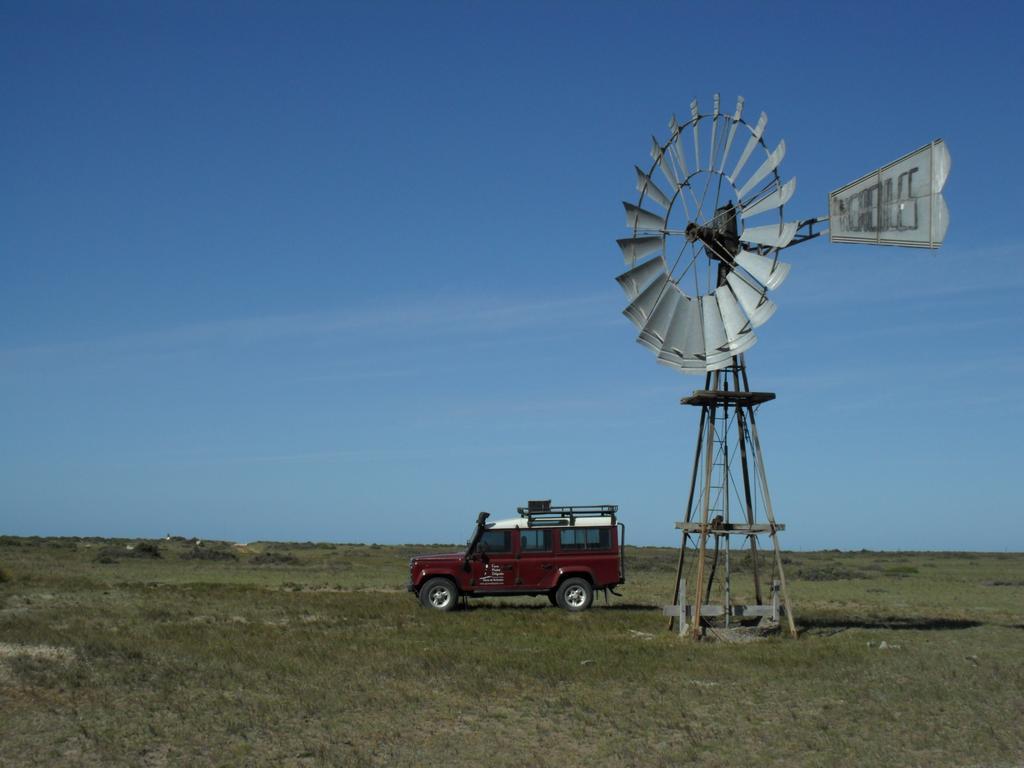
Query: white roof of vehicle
{"type": "Point", "coordinates": [551, 522]}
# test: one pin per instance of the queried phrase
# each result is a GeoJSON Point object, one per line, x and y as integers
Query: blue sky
{"type": "Point", "coordinates": [345, 272]}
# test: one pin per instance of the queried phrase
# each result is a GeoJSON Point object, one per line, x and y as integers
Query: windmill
{"type": "Point", "coordinates": [707, 233]}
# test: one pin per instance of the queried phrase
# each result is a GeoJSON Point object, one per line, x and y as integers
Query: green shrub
{"type": "Point", "coordinates": [274, 558]}
{"type": "Point", "coordinates": [827, 573]}
{"type": "Point", "coordinates": [144, 550]}
{"type": "Point", "coordinates": [202, 553]}
{"type": "Point", "coordinates": [900, 570]}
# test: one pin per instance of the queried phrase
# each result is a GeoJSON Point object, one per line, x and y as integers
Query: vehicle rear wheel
{"type": "Point", "coordinates": [575, 594]}
{"type": "Point", "coordinates": [440, 594]}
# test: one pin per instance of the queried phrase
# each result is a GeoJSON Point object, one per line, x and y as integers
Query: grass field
{"type": "Point", "coordinates": [313, 654]}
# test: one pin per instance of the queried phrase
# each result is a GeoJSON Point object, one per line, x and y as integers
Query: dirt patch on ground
{"type": "Point", "coordinates": [10, 652]}
{"type": "Point", "coordinates": [50, 652]}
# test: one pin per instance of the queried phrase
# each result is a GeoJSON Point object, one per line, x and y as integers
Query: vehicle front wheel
{"type": "Point", "coordinates": [575, 594]}
{"type": "Point", "coordinates": [440, 594]}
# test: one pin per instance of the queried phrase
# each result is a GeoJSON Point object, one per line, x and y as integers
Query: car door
{"type": "Point", "coordinates": [536, 558]}
{"type": "Point", "coordinates": [494, 566]}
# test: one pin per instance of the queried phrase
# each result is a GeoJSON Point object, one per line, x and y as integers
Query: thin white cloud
{"type": "Point", "coordinates": [889, 275]}
{"type": "Point", "coordinates": [420, 316]}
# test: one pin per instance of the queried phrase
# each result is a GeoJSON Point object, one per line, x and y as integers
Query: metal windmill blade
{"type": "Point", "coordinates": [639, 277]}
{"type": "Point", "coordinates": [641, 308]}
{"type": "Point", "coordinates": [636, 248]}
{"type": "Point", "coordinates": [684, 339]}
{"type": "Point", "coordinates": [769, 165]}
{"type": "Point", "coordinates": [756, 304]}
{"type": "Point", "coordinates": [772, 236]}
{"type": "Point", "coordinates": [648, 189]}
{"type": "Point", "coordinates": [655, 330]}
{"type": "Point", "coordinates": [768, 271]}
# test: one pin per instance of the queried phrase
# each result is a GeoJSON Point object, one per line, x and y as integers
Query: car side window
{"type": "Point", "coordinates": [585, 538]}
{"type": "Point", "coordinates": [497, 541]}
{"type": "Point", "coordinates": [535, 541]}
{"type": "Point", "coordinates": [572, 538]}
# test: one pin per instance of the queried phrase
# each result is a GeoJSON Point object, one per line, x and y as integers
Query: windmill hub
{"type": "Point", "coordinates": [720, 240]}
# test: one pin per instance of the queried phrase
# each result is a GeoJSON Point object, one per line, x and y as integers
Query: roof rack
{"type": "Point", "coordinates": [542, 511]}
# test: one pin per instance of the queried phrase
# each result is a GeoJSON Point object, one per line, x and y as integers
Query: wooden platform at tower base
{"type": "Point", "coordinates": [683, 613]}
{"type": "Point", "coordinates": [743, 529]}
{"type": "Point", "coordinates": [727, 397]}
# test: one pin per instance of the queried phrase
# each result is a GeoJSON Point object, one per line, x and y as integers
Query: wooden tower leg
{"type": "Point", "coordinates": [709, 458]}
{"type": "Point", "coordinates": [741, 429]}
{"type": "Point", "coordinates": [770, 514]}
{"type": "Point", "coordinates": [689, 507]}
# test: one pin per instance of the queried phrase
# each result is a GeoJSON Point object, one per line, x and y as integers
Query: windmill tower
{"type": "Point", "coordinates": [704, 253]}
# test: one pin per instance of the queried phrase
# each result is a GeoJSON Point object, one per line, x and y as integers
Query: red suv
{"type": "Point", "coordinates": [563, 552]}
